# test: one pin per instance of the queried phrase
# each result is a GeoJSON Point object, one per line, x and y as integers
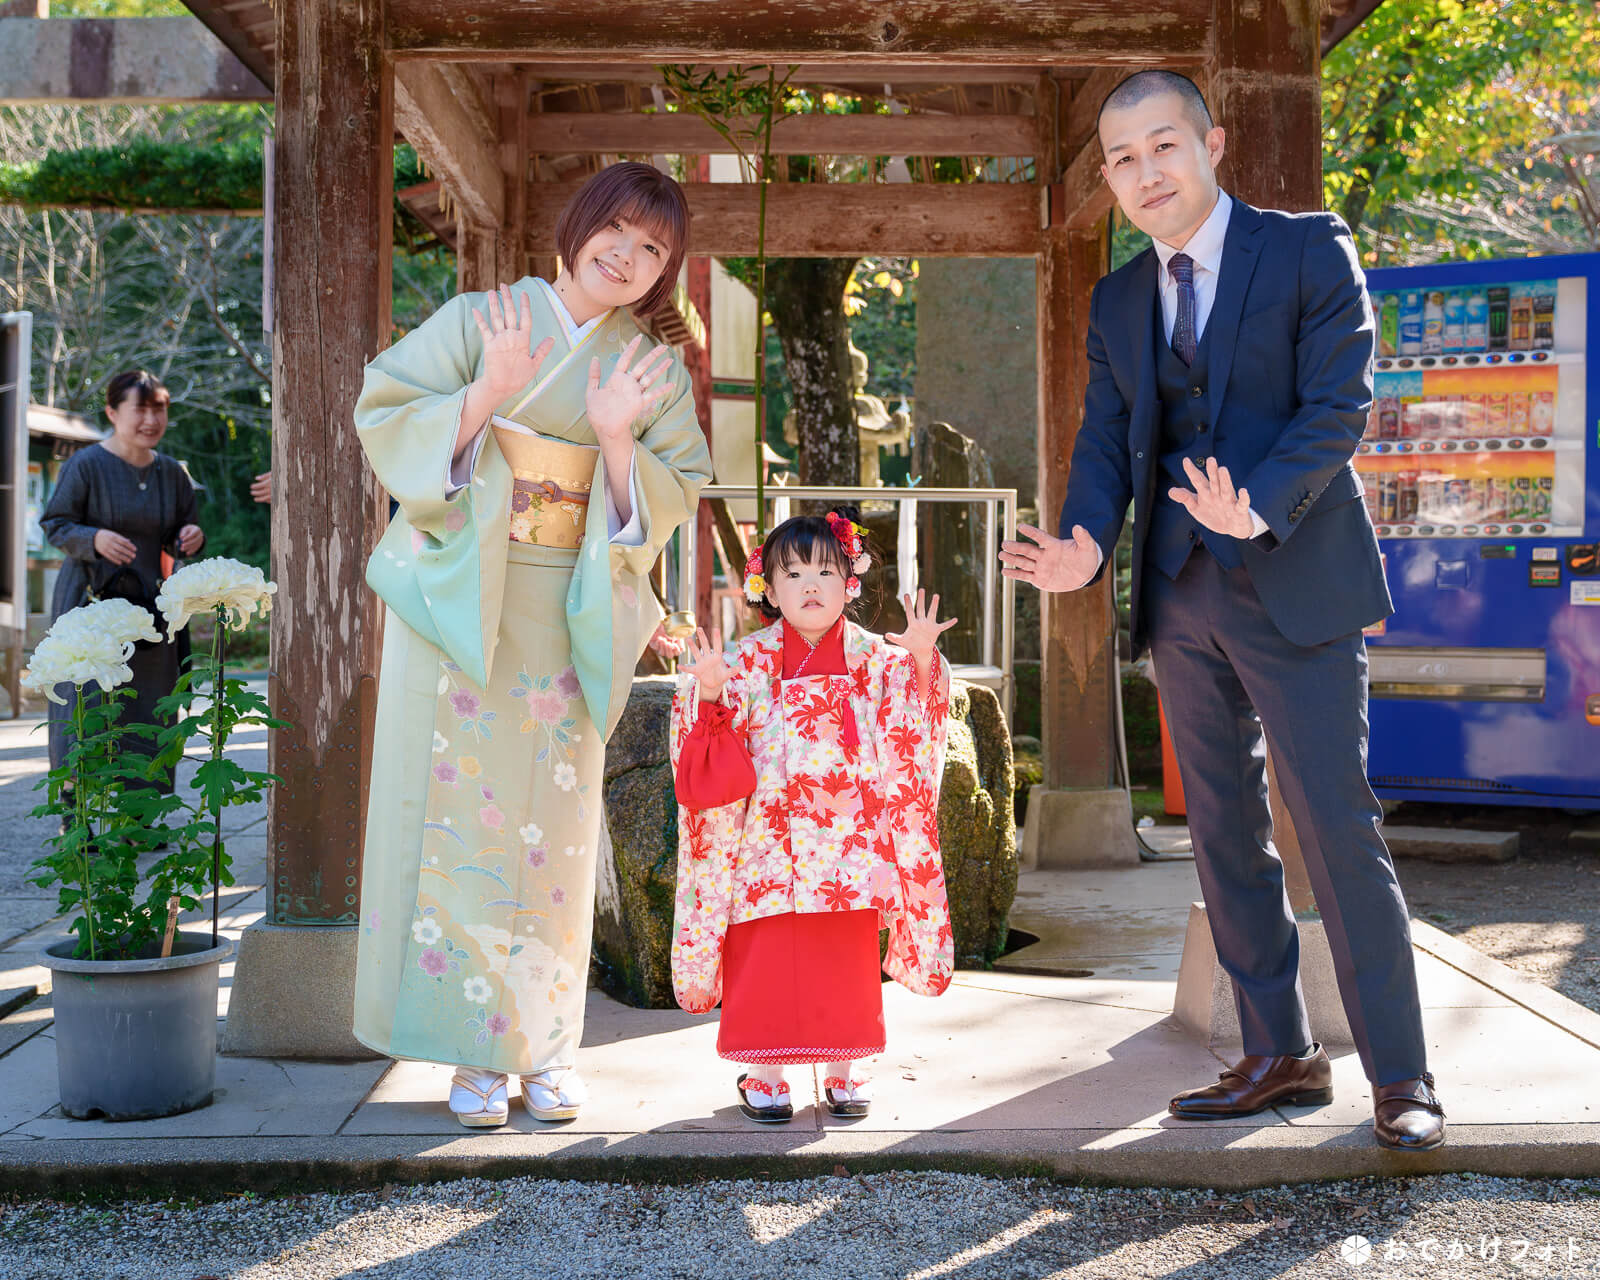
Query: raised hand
{"type": "Point", "coordinates": [923, 628]}
{"type": "Point", "coordinates": [508, 365]}
{"type": "Point", "coordinates": [1213, 501]}
{"type": "Point", "coordinates": [627, 394]}
{"type": "Point", "coordinates": [190, 539]}
{"type": "Point", "coordinates": [1051, 564]}
{"type": "Point", "coordinates": [703, 660]}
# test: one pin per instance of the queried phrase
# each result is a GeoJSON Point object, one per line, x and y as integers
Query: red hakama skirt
{"type": "Point", "coordinates": [802, 988]}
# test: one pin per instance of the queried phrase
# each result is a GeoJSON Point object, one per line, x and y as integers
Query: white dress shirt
{"type": "Point", "coordinates": [1204, 247]}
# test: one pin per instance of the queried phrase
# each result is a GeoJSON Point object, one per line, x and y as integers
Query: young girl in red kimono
{"type": "Point", "coordinates": [808, 766]}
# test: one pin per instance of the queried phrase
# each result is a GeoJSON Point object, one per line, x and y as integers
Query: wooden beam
{"type": "Point", "coordinates": [823, 31]}
{"type": "Point", "coordinates": [247, 28]}
{"type": "Point", "coordinates": [449, 140]}
{"type": "Point", "coordinates": [842, 219]}
{"type": "Point", "coordinates": [1084, 196]}
{"type": "Point", "coordinates": [106, 60]}
{"type": "Point", "coordinates": [865, 75]}
{"type": "Point", "coordinates": [333, 215]}
{"type": "Point", "coordinates": [795, 135]}
{"type": "Point", "coordinates": [1078, 125]}
{"type": "Point", "coordinates": [1343, 17]}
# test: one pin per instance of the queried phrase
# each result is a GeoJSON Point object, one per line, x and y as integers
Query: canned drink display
{"type": "Point", "coordinates": [1519, 413]}
{"type": "Point", "coordinates": [1369, 494]}
{"type": "Point", "coordinates": [1542, 492]}
{"type": "Point", "coordinates": [1457, 494]}
{"type": "Point", "coordinates": [1388, 497]}
{"type": "Point", "coordinates": [1519, 501]}
{"type": "Point", "coordinates": [1411, 411]}
{"type": "Point", "coordinates": [1389, 324]}
{"type": "Point", "coordinates": [1411, 323]}
{"type": "Point", "coordinates": [1521, 318]}
{"type": "Point", "coordinates": [1544, 316]}
{"type": "Point", "coordinates": [1499, 316]}
{"type": "Point", "coordinates": [1474, 415]}
{"type": "Point", "coordinates": [1497, 413]}
{"type": "Point", "coordinates": [1542, 413]}
{"type": "Point", "coordinates": [1433, 323]}
{"type": "Point", "coordinates": [1430, 496]}
{"type": "Point", "coordinates": [1430, 420]}
{"type": "Point", "coordinates": [1388, 408]}
{"type": "Point", "coordinates": [1455, 321]}
{"type": "Point", "coordinates": [1406, 497]}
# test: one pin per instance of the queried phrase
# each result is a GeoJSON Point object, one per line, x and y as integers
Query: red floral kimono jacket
{"type": "Point", "coordinates": [844, 815]}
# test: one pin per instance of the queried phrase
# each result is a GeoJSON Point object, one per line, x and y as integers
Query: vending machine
{"type": "Point", "coordinates": [1481, 473]}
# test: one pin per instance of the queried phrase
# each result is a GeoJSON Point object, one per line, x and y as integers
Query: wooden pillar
{"type": "Point", "coordinates": [1078, 712]}
{"type": "Point", "coordinates": [1265, 89]}
{"type": "Point", "coordinates": [511, 108]}
{"type": "Point", "coordinates": [697, 360]}
{"type": "Point", "coordinates": [334, 141]}
{"type": "Point", "coordinates": [1080, 815]}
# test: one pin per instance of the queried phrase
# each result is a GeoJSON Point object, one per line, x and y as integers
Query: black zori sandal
{"type": "Point", "coordinates": [777, 1113]}
{"type": "Point", "coordinates": [841, 1100]}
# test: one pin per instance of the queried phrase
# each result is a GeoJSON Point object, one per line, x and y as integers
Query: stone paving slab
{"type": "Point", "coordinates": [1008, 1071]}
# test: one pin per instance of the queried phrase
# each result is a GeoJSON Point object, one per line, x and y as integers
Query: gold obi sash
{"type": "Point", "coordinates": [552, 483]}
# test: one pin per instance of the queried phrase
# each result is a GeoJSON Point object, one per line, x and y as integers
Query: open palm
{"type": "Point", "coordinates": [508, 364]}
{"type": "Point", "coordinates": [923, 628]}
{"type": "Point", "coordinates": [617, 403]}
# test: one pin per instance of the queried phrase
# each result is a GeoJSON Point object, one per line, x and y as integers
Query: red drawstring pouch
{"type": "Point", "coordinates": [714, 768]}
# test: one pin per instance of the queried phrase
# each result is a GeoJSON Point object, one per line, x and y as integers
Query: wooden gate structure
{"type": "Point", "coordinates": [510, 103]}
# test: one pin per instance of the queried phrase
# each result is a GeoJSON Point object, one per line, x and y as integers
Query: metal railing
{"type": "Point", "coordinates": [1000, 520]}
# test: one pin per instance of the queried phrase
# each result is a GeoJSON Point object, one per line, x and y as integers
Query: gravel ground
{"type": "Point", "coordinates": [913, 1226]}
{"type": "Point", "coordinates": [1538, 913]}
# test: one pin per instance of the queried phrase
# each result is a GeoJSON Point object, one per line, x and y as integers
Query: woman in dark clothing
{"type": "Point", "coordinates": [116, 507]}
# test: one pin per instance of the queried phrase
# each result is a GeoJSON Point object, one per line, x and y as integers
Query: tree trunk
{"type": "Point", "coordinates": [805, 297]}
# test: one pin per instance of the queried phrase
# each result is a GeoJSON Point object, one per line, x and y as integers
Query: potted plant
{"type": "Point", "coordinates": [136, 999]}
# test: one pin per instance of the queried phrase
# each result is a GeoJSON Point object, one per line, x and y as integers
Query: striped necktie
{"type": "Point", "coordinates": [1184, 337]}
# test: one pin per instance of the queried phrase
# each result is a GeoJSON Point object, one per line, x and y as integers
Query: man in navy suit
{"type": "Point", "coordinates": [1230, 374]}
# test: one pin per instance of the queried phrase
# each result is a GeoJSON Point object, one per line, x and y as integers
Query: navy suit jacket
{"type": "Point", "coordinates": [1289, 380]}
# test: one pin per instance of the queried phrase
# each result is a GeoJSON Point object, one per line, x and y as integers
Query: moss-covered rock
{"type": "Point", "coordinates": [639, 852]}
{"type": "Point", "coordinates": [977, 829]}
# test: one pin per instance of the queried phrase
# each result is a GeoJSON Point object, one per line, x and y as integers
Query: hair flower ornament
{"type": "Point", "coordinates": [850, 535]}
{"type": "Point", "coordinates": [852, 588]}
{"type": "Point", "coordinates": [755, 586]}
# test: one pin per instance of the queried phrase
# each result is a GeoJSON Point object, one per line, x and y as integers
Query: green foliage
{"type": "Point", "coordinates": [1422, 100]}
{"type": "Point", "coordinates": [145, 173]}
{"type": "Point", "coordinates": [113, 818]}
{"type": "Point", "coordinates": [881, 300]}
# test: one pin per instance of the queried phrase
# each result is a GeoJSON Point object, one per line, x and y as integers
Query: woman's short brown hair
{"type": "Point", "coordinates": [140, 382]}
{"type": "Point", "coordinates": [643, 195]}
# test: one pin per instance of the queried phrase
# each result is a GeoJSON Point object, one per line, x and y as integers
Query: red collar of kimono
{"type": "Point", "coordinates": [826, 660]}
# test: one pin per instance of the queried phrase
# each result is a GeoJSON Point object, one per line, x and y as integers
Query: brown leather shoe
{"type": "Point", "coordinates": [1255, 1083]}
{"type": "Point", "coordinates": [1407, 1115]}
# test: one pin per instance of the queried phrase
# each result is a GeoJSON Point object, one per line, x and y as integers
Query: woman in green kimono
{"type": "Point", "coordinates": [541, 456]}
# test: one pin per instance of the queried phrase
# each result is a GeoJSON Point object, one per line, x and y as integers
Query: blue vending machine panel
{"type": "Point", "coordinates": [1481, 465]}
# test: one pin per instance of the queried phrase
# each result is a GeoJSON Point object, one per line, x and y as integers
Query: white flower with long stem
{"type": "Point", "coordinates": [216, 583]}
{"type": "Point", "coordinates": [122, 620]}
{"type": "Point", "coordinates": [78, 655]}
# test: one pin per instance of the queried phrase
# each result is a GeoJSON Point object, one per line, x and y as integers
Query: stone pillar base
{"type": "Point", "coordinates": [1080, 828]}
{"type": "Point", "coordinates": [1205, 1002]}
{"type": "Point", "coordinates": [294, 994]}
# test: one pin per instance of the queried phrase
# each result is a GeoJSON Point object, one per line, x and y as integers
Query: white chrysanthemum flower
{"type": "Point", "coordinates": [566, 776]}
{"type": "Point", "coordinates": [122, 620]}
{"type": "Point", "coordinates": [426, 932]}
{"type": "Point", "coordinates": [202, 586]}
{"type": "Point", "coordinates": [78, 655]}
{"type": "Point", "coordinates": [477, 989]}
{"type": "Point", "coordinates": [531, 833]}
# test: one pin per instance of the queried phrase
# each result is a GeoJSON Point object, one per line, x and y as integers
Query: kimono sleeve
{"type": "Point", "coordinates": [911, 738]}
{"type": "Point", "coordinates": [409, 412]}
{"type": "Point", "coordinates": [672, 463]}
{"type": "Point", "coordinates": [708, 844]}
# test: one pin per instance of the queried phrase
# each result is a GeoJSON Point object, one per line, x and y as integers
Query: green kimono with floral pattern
{"type": "Point", "coordinates": [505, 667]}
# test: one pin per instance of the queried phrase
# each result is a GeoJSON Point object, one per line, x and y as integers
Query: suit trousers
{"type": "Point", "coordinates": [1227, 674]}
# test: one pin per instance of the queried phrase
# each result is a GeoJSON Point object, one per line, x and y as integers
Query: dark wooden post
{"type": "Point", "coordinates": [1079, 815]}
{"type": "Point", "coordinates": [697, 359]}
{"type": "Point", "coordinates": [1266, 92]}
{"type": "Point", "coordinates": [332, 228]}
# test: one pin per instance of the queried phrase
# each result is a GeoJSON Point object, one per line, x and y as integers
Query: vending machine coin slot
{"type": "Point", "coordinates": [1450, 575]}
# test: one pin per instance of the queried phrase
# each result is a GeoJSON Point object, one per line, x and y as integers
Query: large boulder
{"type": "Point", "coordinates": [639, 841]}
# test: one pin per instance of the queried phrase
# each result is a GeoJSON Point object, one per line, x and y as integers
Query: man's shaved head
{"type": "Point", "coordinates": [1147, 84]}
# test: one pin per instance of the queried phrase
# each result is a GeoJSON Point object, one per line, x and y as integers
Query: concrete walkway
{"type": "Point", "coordinates": [1060, 1061]}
